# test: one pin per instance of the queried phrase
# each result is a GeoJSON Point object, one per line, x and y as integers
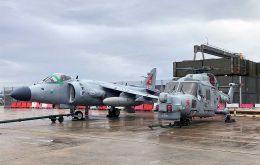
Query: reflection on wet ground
{"type": "Point", "coordinates": [127, 140]}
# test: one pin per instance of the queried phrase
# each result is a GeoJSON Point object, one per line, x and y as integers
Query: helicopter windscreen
{"type": "Point", "coordinates": [171, 87]}
{"type": "Point", "coordinates": [188, 88]}
{"type": "Point", "coordinates": [57, 78]}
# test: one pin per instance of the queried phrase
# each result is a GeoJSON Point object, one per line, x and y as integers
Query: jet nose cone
{"type": "Point", "coordinates": [22, 94]}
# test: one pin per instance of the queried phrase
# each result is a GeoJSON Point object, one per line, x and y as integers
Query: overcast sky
{"type": "Point", "coordinates": [115, 40]}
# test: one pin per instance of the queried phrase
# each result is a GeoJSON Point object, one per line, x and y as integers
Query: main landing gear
{"type": "Point", "coordinates": [113, 112]}
{"type": "Point", "coordinates": [180, 123]}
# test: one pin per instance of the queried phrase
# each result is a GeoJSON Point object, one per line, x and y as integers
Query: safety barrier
{"type": "Point", "coordinates": [22, 104]}
{"type": "Point", "coordinates": [236, 105]}
{"type": "Point", "coordinates": [81, 107]}
{"type": "Point", "coordinates": [144, 107]}
{"type": "Point", "coordinates": [102, 107]}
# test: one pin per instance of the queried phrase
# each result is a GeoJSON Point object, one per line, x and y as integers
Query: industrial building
{"type": "Point", "coordinates": [230, 67]}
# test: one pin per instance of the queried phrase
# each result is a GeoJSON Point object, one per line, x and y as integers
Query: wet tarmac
{"type": "Point", "coordinates": [126, 140]}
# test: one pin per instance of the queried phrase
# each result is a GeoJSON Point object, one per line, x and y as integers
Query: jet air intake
{"type": "Point", "coordinates": [72, 93]}
{"type": "Point", "coordinates": [75, 93]}
{"type": "Point", "coordinates": [120, 101]}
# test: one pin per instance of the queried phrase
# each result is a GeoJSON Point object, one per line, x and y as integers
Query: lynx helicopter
{"type": "Point", "coordinates": [195, 95]}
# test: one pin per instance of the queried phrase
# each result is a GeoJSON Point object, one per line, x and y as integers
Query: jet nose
{"type": "Point", "coordinates": [22, 94]}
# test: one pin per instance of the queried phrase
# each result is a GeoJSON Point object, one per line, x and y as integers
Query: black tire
{"type": "Point", "coordinates": [61, 119]}
{"type": "Point", "coordinates": [110, 112]}
{"type": "Point", "coordinates": [228, 118]}
{"type": "Point", "coordinates": [53, 119]}
{"type": "Point", "coordinates": [117, 112]}
{"type": "Point", "coordinates": [113, 112]}
{"type": "Point", "coordinates": [78, 115]}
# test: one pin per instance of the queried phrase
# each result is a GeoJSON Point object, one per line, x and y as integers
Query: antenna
{"type": "Point", "coordinates": [207, 39]}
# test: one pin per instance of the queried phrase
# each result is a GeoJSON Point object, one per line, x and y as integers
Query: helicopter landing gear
{"type": "Point", "coordinates": [228, 119]}
{"type": "Point", "coordinates": [182, 122]}
{"type": "Point", "coordinates": [186, 121]}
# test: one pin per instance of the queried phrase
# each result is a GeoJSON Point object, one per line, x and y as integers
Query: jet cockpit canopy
{"type": "Point", "coordinates": [57, 78]}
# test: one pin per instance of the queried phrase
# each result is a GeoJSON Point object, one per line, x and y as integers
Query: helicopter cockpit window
{"type": "Point", "coordinates": [188, 88]}
{"type": "Point", "coordinates": [57, 78]}
{"type": "Point", "coordinates": [171, 87]}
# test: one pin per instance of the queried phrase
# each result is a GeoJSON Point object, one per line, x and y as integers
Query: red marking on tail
{"type": "Point", "coordinates": [150, 80]}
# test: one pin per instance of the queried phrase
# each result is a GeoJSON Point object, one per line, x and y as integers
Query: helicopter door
{"type": "Point", "coordinates": [208, 98]}
{"type": "Point", "coordinates": [201, 99]}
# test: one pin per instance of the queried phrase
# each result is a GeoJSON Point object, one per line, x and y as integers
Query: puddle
{"type": "Point", "coordinates": [60, 143]}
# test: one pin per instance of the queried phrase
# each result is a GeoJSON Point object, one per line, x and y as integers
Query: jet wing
{"type": "Point", "coordinates": [124, 89]}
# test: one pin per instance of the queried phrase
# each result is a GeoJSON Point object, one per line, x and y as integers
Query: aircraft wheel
{"type": "Point", "coordinates": [178, 124]}
{"type": "Point", "coordinates": [113, 112]}
{"type": "Point", "coordinates": [117, 112]}
{"type": "Point", "coordinates": [187, 122]}
{"type": "Point", "coordinates": [228, 119]}
{"type": "Point", "coordinates": [61, 119]}
{"type": "Point", "coordinates": [53, 119]}
{"type": "Point", "coordinates": [110, 112]}
{"type": "Point", "coordinates": [78, 115]}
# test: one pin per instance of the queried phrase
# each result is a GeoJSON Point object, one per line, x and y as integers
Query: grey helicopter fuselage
{"type": "Point", "coordinates": [195, 95]}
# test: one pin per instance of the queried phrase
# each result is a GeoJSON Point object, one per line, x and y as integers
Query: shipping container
{"type": "Point", "coordinates": [251, 68]}
{"type": "Point", "coordinates": [179, 67]}
{"type": "Point", "coordinates": [222, 66]}
{"type": "Point", "coordinates": [258, 69]}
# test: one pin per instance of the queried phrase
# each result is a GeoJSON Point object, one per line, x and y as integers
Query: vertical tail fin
{"type": "Point", "coordinates": [150, 80]}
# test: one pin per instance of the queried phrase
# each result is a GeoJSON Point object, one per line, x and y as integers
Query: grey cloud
{"type": "Point", "coordinates": [117, 40]}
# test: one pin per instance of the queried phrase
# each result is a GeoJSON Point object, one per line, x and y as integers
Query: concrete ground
{"type": "Point", "coordinates": [126, 140]}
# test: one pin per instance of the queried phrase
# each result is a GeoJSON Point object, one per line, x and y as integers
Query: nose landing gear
{"type": "Point", "coordinates": [79, 114]}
